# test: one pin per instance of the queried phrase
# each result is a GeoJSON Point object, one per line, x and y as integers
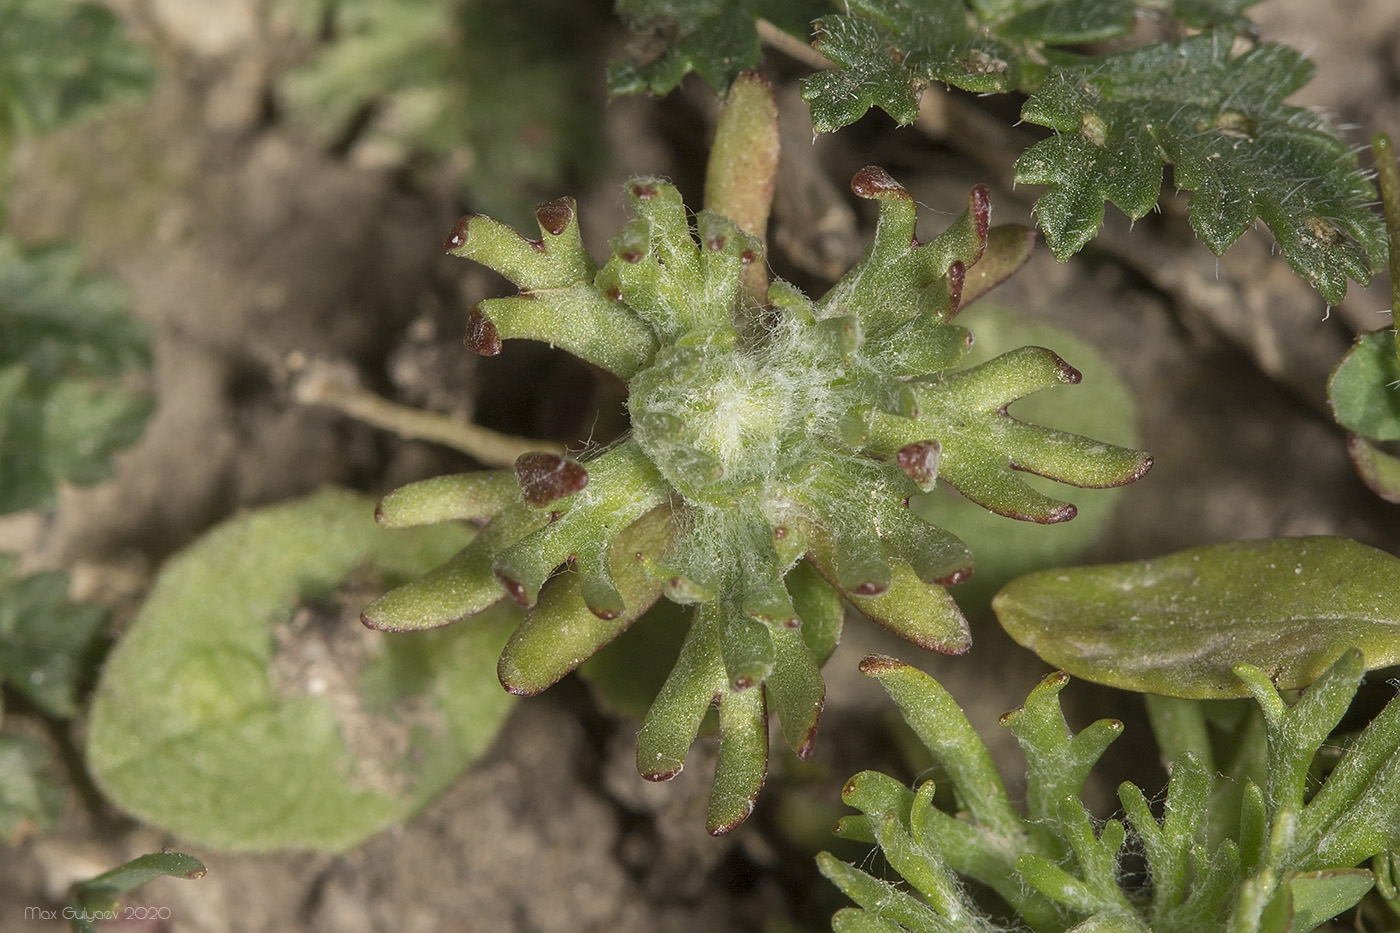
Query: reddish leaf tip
{"type": "Point", "coordinates": [980, 200]}
{"type": "Point", "coordinates": [546, 477]}
{"type": "Point", "coordinates": [643, 191]}
{"type": "Point", "coordinates": [555, 216]}
{"type": "Point", "coordinates": [873, 665]}
{"type": "Point", "coordinates": [1067, 372]}
{"type": "Point", "coordinates": [659, 776]}
{"type": "Point", "coordinates": [514, 588]}
{"type": "Point", "coordinates": [919, 461]}
{"type": "Point", "coordinates": [870, 588]}
{"type": "Point", "coordinates": [728, 826]}
{"type": "Point", "coordinates": [957, 280]}
{"type": "Point", "coordinates": [874, 182]}
{"type": "Point", "coordinates": [748, 257]}
{"type": "Point", "coordinates": [961, 575]}
{"type": "Point", "coordinates": [458, 237]}
{"type": "Point", "coordinates": [481, 338]}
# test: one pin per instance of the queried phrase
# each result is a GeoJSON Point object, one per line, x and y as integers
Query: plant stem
{"type": "Point", "coordinates": [743, 168]}
{"type": "Point", "coordinates": [1388, 172]}
{"type": "Point", "coordinates": [323, 383]}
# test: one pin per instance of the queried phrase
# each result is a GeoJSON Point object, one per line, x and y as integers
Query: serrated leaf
{"type": "Point", "coordinates": [1215, 114]}
{"type": "Point", "coordinates": [1175, 625]}
{"type": "Point", "coordinates": [717, 39]}
{"type": "Point", "coordinates": [204, 729]}
{"type": "Point", "coordinates": [48, 646]}
{"type": "Point", "coordinates": [870, 76]}
{"type": "Point", "coordinates": [67, 343]}
{"type": "Point", "coordinates": [1218, 116]}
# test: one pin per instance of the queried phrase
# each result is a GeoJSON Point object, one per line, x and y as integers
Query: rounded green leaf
{"type": "Point", "coordinates": [1176, 625]}
{"type": "Point", "coordinates": [246, 709]}
{"type": "Point", "coordinates": [1365, 388]}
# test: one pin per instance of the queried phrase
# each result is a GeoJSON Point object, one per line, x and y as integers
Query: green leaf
{"type": "Point", "coordinates": [869, 76]}
{"type": "Point", "coordinates": [717, 39]}
{"type": "Point", "coordinates": [1364, 389]}
{"type": "Point", "coordinates": [982, 444]}
{"type": "Point", "coordinates": [1101, 406]}
{"type": "Point", "coordinates": [1177, 624]}
{"type": "Point", "coordinates": [67, 346]}
{"type": "Point", "coordinates": [562, 631]}
{"type": "Point", "coordinates": [29, 797]}
{"type": "Point", "coordinates": [215, 720]}
{"type": "Point", "coordinates": [1378, 469]}
{"type": "Point", "coordinates": [1215, 114]}
{"type": "Point", "coordinates": [1218, 116]}
{"type": "Point", "coordinates": [96, 897]}
{"type": "Point", "coordinates": [48, 646]}
{"type": "Point", "coordinates": [627, 674]}
{"type": "Point", "coordinates": [63, 59]}
{"type": "Point", "coordinates": [1318, 896]}
{"type": "Point", "coordinates": [882, 899]}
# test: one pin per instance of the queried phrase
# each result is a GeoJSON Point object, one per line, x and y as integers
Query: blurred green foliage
{"type": "Point", "coordinates": [509, 92]}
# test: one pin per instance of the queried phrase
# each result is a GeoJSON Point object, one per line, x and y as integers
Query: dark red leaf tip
{"type": "Point", "coordinates": [1061, 513]}
{"type": "Point", "coordinates": [632, 256]}
{"type": "Point", "coordinates": [514, 588]}
{"type": "Point", "coordinates": [957, 279]}
{"type": "Point", "coordinates": [607, 615]}
{"type": "Point", "coordinates": [748, 257]}
{"type": "Point", "coordinates": [870, 588]}
{"type": "Point", "coordinates": [961, 575]}
{"type": "Point", "coordinates": [659, 776]}
{"type": "Point", "coordinates": [545, 477]}
{"type": "Point", "coordinates": [874, 182]}
{"type": "Point", "coordinates": [643, 191]}
{"type": "Point", "coordinates": [614, 293]}
{"type": "Point", "coordinates": [919, 461]}
{"type": "Point", "coordinates": [458, 237]}
{"type": "Point", "coordinates": [482, 337]}
{"type": "Point", "coordinates": [873, 665]}
{"type": "Point", "coordinates": [809, 745]}
{"type": "Point", "coordinates": [981, 203]}
{"type": "Point", "coordinates": [743, 683]}
{"type": "Point", "coordinates": [1067, 372]}
{"type": "Point", "coordinates": [792, 622]}
{"type": "Point", "coordinates": [780, 533]}
{"type": "Point", "coordinates": [555, 216]}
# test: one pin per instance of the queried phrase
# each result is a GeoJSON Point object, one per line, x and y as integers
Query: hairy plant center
{"type": "Point", "coordinates": [720, 420]}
